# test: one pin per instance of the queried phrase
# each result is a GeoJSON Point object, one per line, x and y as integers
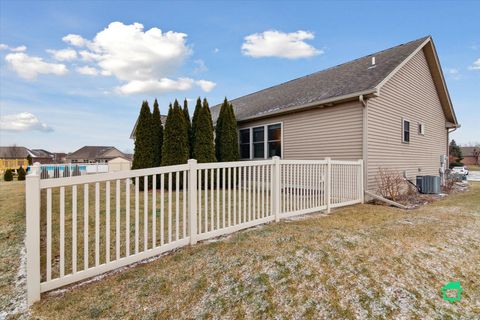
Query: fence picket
{"type": "Point", "coordinates": [74, 229]}
{"type": "Point", "coordinates": [49, 234]}
{"type": "Point", "coordinates": [107, 221]}
{"type": "Point", "coordinates": [117, 219]}
{"type": "Point", "coordinates": [85, 226]}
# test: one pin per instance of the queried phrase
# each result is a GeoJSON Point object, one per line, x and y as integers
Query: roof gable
{"type": "Point", "coordinates": [345, 81]}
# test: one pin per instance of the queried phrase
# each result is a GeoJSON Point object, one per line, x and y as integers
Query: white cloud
{"type": "Point", "coordinates": [454, 73]}
{"type": "Point", "coordinates": [200, 66]}
{"type": "Point", "coordinates": [86, 70]}
{"type": "Point", "coordinates": [130, 53]}
{"type": "Point", "coordinates": [475, 65]}
{"type": "Point", "coordinates": [274, 43]}
{"type": "Point", "coordinates": [24, 121]}
{"type": "Point", "coordinates": [75, 40]}
{"type": "Point", "coordinates": [29, 67]}
{"type": "Point", "coordinates": [15, 49]}
{"type": "Point", "coordinates": [206, 85]}
{"type": "Point", "coordinates": [63, 54]}
{"type": "Point", "coordinates": [216, 50]}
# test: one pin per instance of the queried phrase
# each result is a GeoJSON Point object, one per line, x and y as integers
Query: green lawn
{"type": "Point", "coordinates": [363, 261]}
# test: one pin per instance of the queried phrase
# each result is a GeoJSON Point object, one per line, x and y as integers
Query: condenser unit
{"type": "Point", "coordinates": [428, 184]}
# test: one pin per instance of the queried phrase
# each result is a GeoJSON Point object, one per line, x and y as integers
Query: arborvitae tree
{"type": "Point", "coordinates": [204, 148]}
{"type": "Point", "coordinates": [226, 136]}
{"type": "Point", "coordinates": [207, 108]}
{"type": "Point", "coordinates": [189, 126]}
{"type": "Point", "coordinates": [157, 132]}
{"type": "Point", "coordinates": [8, 175]}
{"type": "Point", "coordinates": [144, 147]}
{"type": "Point", "coordinates": [21, 174]}
{"type": "Point", "coordinates": [30, 160]}
{"type": "Point", "coordinates": [196, 113]}
{"type": "Point", "coordinates": [175, 144]}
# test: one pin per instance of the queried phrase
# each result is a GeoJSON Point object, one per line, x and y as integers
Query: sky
{"type": "Point", "coordinates": [75, 73]}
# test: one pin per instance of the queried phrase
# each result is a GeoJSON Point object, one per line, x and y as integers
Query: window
{"type": "Point", "coordinates": [245, 144]}
{"type": "Point", "coordinates": [406, 131]}
{"type": "Point", "coordinates": [275, 140]}
{"type": "Point", "coordinates": [421, 129]}
{"type": "Point", "coordinates": [261, 142]}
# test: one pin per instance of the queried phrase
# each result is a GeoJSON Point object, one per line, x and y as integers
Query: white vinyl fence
{"type": "Point", "coordinates": [82, 226]}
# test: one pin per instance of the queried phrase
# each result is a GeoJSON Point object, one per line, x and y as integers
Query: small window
{"type": "Point", "coordinates": [275, 140]}
{"type": "Point", "coordinates": [421, 129]}
{"type": "Point", "coordinates": [245, 143]}
{"type": "Point", "coordinates": [406, 131]}
{"type": "Point", "coordinates": [259, 142]}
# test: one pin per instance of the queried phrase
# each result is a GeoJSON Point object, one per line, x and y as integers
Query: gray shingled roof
{"type": "Point", "coordinates": [14, 152]}
{"type": "Point", "coordinates": [89, 152]}
{"type": "Point", "coordinates": [344, 79]}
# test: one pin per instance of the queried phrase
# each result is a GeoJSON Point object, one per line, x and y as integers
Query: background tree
{"type": "Point", "coordinates": [21, 174]}
{"type": "Point", "coordinates": [189, 126]}
{"type": "Point", "coordinates": [226, 135]}
{"type": "Point", "coordinates": [476, 154]}
{"type": "Point", "coordinates": [456, 152]}
{"type": "Point", "coordinates": [175, 144]}
{"type": "Point", "coordinates": [144, 146]}
{"type": "Point", "coordinates": [8, 175]}
{"type": "Point", "coordinates": [157, 131]}
{"type": "Point", "coordinates": [29, 160]}
{"type": "Point", "coordinates": [204, 148]}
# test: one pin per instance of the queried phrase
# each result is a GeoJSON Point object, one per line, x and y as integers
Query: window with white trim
{"type": "Point", "coordinates": [261, 142]}
{"type": "Point", "coordinates": [405, 131]}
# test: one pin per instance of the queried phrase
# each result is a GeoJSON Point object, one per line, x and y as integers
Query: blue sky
{"type": "Point", "coordinates": [61, 92]}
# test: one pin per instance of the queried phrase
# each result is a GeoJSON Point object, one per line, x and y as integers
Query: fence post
{"type": "Point", "coordinates": [32, 205]}
{"type": "Point", "coordinates": [329, 183]}
{"type": "Point", "coordinates": [362, 192]}
{"type": "Point", "coordinates": [192, 200]}
{"type": "Point", "coordinates": [276, 181]}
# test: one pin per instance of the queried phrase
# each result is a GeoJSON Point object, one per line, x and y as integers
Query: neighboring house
{"type": "Point", "coordinates": [14, 157]}
{"type": "Point", "coordinates": [132, 135]}
{"type": "Point", "coordinates": [95, 154]}
{"type": "Point", "coordinates": [391, 108]}
{"type": "Point", "coordinates": [470, 155]}
{"type": "Point", "coordinates": [119, 164]}
{"type": "Point", "coordinates": [43, 156]}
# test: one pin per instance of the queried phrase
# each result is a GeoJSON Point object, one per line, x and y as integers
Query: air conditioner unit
{"type": "Point", "coordinates": [428, 184]}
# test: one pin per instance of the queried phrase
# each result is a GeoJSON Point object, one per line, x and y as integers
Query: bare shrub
{"type": "Point", "coordinates": [450, 180]}
{"type": "Point", "coordinates": [390, 183]}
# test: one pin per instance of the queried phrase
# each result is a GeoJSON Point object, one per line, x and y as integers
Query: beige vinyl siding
{"type": "Point", "coordinates": [334, 132]}
{"type": "Point", "coordinates": [409, 94]}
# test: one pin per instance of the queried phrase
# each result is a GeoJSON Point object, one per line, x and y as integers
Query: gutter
{"type": "Point", "coordinates": [364, 103]}
{"type": "Point", "coordinates": [322, 103]}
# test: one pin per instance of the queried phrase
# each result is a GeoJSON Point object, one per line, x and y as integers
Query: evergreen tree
{"type": "Point", "coordinates": [21, 174]}
{"type": "Point", "coordinates": [204, 148]}
{"type": "Point", "coordinates": [157, 131]}
{"type": "Point", "coordinates": [456, 152]}
{"type": "Point", "coordinates": [175, 144]}
{"type": "Point", "coordinates": [30, 160]}
{"type": "Point", "coordinates": [198, 108]}
{"type": "Point", "coordinates": [189, 126]}
{"type": "Point", "coordinates": [144, 145]}
{"type": "Point", "coordinates": [226, 135]}
{"type": "Point", "coordinates": [8, 175]}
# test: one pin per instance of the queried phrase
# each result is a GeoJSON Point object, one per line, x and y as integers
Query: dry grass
{"type": "Point", "coordinates": [362, 262]}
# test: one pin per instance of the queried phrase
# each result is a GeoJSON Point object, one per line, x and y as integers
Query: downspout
{"type": "Point", "coordinates": [364, 103]}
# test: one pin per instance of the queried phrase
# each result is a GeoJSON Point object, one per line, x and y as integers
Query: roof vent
{"type": "Point", "coordinates": [373, 61]}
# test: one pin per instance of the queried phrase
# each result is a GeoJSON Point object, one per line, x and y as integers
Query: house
{"type": "Point", "coordinates": [95, 154]}
{"type": "Point", "coordinates": [14, 157]}
{"type": "Point", "coordinates": [391, 108]}
{"type": "Point", "coordinates": [119, 164]}
{"type": "Point", "coordinates": [43, 156]}
{"type": "Point", "coordinates": [471, 155]}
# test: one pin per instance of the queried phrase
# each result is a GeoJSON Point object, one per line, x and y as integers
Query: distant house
{"type": "Point", "coordinates": [391, 108]}
{"type": "Point", "coordinates": [95, 154]}
{"type": "Point", "coordinates": [13, 157]}
{"type": "Point", "coordinates": [470, 155]}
